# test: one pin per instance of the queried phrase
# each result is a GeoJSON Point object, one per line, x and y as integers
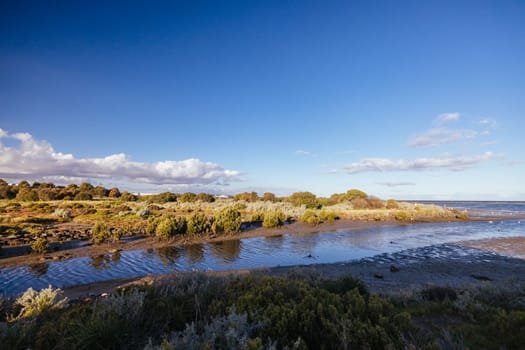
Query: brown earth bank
{"type": "Point", "coordinates": [11, 256]}
{"type": "Point", "coordinates": [388, 274]}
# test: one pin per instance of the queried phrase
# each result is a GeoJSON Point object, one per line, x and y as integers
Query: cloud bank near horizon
{"type": "Point", "coordinates": [38, 159]}
{"type": "Point", "coordinates": [455, 163]}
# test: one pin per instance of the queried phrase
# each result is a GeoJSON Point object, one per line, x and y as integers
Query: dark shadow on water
{"type": "Point", "coordinates": [100, 262]}
{"type": "Point", "coordinates": [194, 253]}
{"type": "Point", "coordinates": [226, 251]}
{"type": "Point", "coordinates": [39, 269]}
{"type": "Point", "coordinates": [169, 255]}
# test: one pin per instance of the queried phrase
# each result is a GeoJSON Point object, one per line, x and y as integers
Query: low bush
{"type": "Point", "coordinates": [310, 217]}
{"type": "Point", "coordinates": [169, 226]}
{"type": "Point", "coordinates": [274, 219]}
{"type": "Point", "coordinates": [403, 216]}
{"type": "Point", "coordinates": [198, 223]}
{"type": "Point", "coordinates": [40, 245]}
{"type": "Point", "coordinates": [227, 220]}
{"type": "Point", "coordinates": [328, 215]}
{"type": "Point", "coordinates": [34, 303]}
{"type": "Point", "coordinates": [392, 204]}
{"type": "Point", "coordinates": [100, 233]}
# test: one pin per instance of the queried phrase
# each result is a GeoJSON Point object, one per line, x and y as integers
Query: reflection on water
{"type": "Point", "coordinates": [282, 250]}
{"type": "Point", "coordinates": [194, 253]}
{"type": "Point", "coordinates": [226, 251]}
{"type": "Point", "coordinates": [38, 269]}
{"type": "Point", "coordinates": [100, 262]}
{"type": "Point", "coordinates": [168, 255]}
{"type": "Point", "coordinates": [115, 257]}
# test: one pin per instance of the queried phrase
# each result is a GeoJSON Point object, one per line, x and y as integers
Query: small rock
{"type": "Point", "coordinates": [378, 275]}
{"type": "Point", "coordinates": [103, 295]}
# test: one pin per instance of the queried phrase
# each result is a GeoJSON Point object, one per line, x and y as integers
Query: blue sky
{"type": "Point", "coordinates": [402, 99]}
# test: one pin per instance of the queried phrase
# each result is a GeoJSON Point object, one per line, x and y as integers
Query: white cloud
{"type": "Point", "coordinates": [302, 152]}
{"type": "Point", "coordinates": [488, 122]}
{"type": "Point", "coordinates": [456, 163]}
{"type": "Point", "coordinates": [37, 159]}
{"type": "Point", "coordinates": [396, 184]}
{"type": "Point", "coordinates": [438, 136]}
{"type": "Point", "coordinates": [446, 117]}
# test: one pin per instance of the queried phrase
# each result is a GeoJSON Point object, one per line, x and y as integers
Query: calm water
{"type": "Point", "coordinates": [281, 250]}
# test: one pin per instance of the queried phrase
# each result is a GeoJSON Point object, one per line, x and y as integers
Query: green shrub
{"type": "Point", "coordinates": [256, 217]}
{"type": "Point", "coordinates": [128, 197]}
{"type": "Point", "coordinates": [83, 196]}
{"type": "Point", "coordinates": [100, 233]}
{"type": "Point", "coordinates": [187, 197]}
{"type": "Point", "coordinates": [403, 216]}
{"type": "Point", "coordinates": [40, 245]}
{"type": "Point", "coordinates": [205, 197]}
{"type": "Point", "coordinates": [27, 195]}
{"type": "Point", "coordinates": [328, 215]}
{"type": "Point", "coordinates": [198, 223]}
{"type": "Point", "coordinates": [274, 219]}
{"type": "Point", "coordinates": [169, 226]}
{"type": "Point", "coordinates": [227, 220]}
{"type": "Point", "coordinates": [310, 217]}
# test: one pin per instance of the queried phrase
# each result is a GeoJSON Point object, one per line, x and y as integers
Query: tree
{"type": "Point", "coordinates": [187, 197]}
{"type": "Point", "coordinates": [205, 197]}
{"type": "Point", "coordinates": [27, 194]}
{"type": "Point", "coordinates": [6, 191]}
{"type": "Point", "coordinates": [269, 196]}
{"type": "Point", "coordinates": [128, 197]}
{"type": "Point", "coordinates": [100, 191]}
{"type": "Point", "coordinates": [247, 196]}
{"type": "Point", "coordinates": [304, 198]}
{"type": "Point", "coordinates": [114, 193]}
{"type": "Point", "coordinates": [354, 193]}
{"type": "Point", "coordinates": [83, 196]}
{"type": "Point", "coordinates": [86, 187]}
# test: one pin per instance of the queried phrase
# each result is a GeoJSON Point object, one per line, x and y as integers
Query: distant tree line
{"type": "Point", "coordinates": [47, 191]}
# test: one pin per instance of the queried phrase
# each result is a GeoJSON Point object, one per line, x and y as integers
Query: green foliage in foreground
{"type": "Point", "coordinates": [301, 311]}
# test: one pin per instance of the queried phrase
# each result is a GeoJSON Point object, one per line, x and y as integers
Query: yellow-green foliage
{"type": "Point", "coordinates": [169, 226]}
{"type": "Point", "coordinates": [328, 215]}
{"type": "Point", "coordinates": [310, 217]}
{"type": "Point", "coordinates": [100, 233]}
{"type": "Point", "coordinates": [198, 223]}
{"type": "Point", "coordinates": [403, 216]}
{"type": "Point", "coordinates": [307, 199]}
{"type": "Point", "coordinates": [392, 204]}
{"type": "Point", "coordinates": [259, 216]}
{"type": "Point", "coordinates": [274, 219]}
{"type": "Point", "coordinates": [40, 245]}
{"type": "Point", "coordinates": [227, 220]}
